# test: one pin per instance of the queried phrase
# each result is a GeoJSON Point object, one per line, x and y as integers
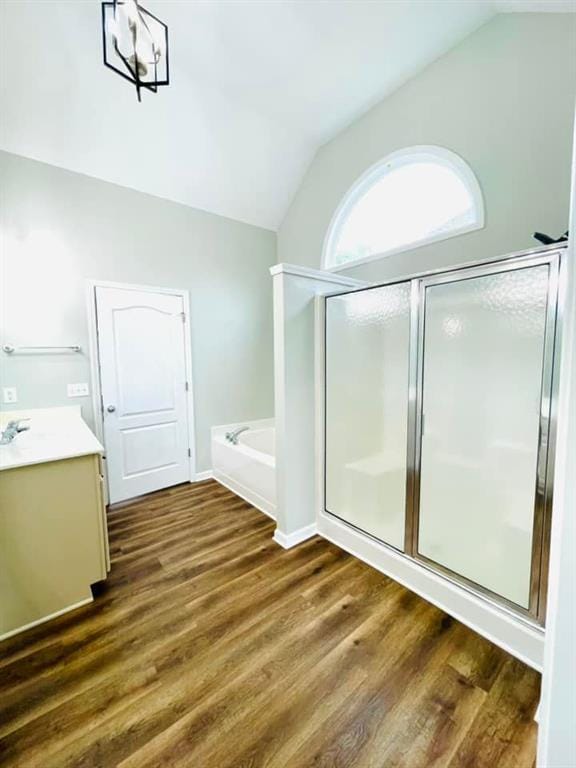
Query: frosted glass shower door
{"type": "Point", "coordinates": [482, 371]}
{"type": "Point", "coordinates": [367, 366]}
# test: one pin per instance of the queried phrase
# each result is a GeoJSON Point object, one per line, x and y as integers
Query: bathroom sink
{"type": "Point", "coordinates": [53, 434]}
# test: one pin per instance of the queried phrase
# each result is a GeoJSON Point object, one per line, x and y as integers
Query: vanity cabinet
{"type": "Point", "coordinates": [53, 539]}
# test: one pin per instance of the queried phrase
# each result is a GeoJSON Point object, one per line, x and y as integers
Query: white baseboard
{"type": "Point", "coordinates": [246, 493]}
{"type": "Point", "coordinates": [44, 619]}
{"type": "Point", "coordinates": [200, 476]}
{"type": "Point", "coordinates": [289, 540]}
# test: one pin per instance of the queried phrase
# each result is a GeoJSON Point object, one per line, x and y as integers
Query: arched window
{"type": "Point", "coordinates": [413, 197]}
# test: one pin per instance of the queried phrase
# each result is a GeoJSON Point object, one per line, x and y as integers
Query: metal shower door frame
{"type": "Point", "coordinates": [551, 256]}
{"type": "Point", "coordinates": [546, 432]}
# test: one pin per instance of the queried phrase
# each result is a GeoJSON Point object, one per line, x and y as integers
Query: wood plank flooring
{"type": "Point", "coordinates": [210, 646]}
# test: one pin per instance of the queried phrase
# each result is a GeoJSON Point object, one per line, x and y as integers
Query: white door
{"type": "Point", "coordinates": [141, 344]}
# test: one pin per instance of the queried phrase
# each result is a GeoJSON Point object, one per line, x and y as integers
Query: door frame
{"type": "Point", "coordinates": [94, 355]}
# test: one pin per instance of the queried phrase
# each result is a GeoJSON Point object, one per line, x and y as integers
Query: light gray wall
{"type": "Point", "coordinates": [504, 100]}
{"type": "Point", "coordinates": [59, 229]}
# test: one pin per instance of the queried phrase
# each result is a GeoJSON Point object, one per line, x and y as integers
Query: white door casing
{"type": "Point", "coordinates": [143, 378]}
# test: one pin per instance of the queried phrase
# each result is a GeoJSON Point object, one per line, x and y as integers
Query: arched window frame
{"type": "Point", "coordinates": [396, 159]}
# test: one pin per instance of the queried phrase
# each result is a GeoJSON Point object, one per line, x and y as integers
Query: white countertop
{"type": "Point", "coordinates": [54, 434]}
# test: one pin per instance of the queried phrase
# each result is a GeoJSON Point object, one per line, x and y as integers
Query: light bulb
{"type": "Point", "coordinates": [142, 66]}
{"type": "Point", "coordinates": [112, 28]}
{"type": "Point", "coordinates": [131, 11]}
{"type": "Point", "coordinates": [158, 43]}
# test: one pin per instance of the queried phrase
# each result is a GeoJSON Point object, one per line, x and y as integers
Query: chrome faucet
{"type": "Point", "coordinates": [232, 437]}
{"type": "Point", "coordinates": [12, 429]}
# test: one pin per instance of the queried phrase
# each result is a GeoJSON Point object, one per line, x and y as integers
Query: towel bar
{"type": "Point", "coordinates": [10, 348]}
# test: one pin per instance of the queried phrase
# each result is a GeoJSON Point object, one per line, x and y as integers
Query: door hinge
{"type": "Point", "coordinates": [189, 452]}
{"type": "Point", "coordinates": [183, 316]}
{"type": "Point", "coordinates": [186, 386]}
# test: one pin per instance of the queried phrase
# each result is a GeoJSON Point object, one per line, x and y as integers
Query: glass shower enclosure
{"type": "Point", "coordinates": [439, 417]}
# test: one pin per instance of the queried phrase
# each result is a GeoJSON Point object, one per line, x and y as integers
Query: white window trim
{"type": "Point", "coordinates": [374, 173]}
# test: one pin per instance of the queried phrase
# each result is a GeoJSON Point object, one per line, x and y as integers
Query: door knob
{"type": "Point", "coordinates": [111, 408]}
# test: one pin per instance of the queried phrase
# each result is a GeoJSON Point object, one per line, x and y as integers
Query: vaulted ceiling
{"type": "Point", "coordinates": [256, 87]}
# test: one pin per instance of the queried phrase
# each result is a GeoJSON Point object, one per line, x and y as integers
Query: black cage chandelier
{"type": "Point", "coordinates": [135, 44]}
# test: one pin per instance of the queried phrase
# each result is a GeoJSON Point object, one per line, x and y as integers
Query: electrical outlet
{"type": "Point", "coordinates": [78, 390]}
{"type": "Point", "coordinates": [9, 394]}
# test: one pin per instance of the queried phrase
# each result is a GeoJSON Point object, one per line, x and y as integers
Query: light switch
{"type": "Point", "coordinates": [78, 390]}
{"type": "Point", "coordinates": [9, 395]}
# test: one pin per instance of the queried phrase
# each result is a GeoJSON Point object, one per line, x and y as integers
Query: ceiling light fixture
{"type": "Point", "coordinates": [135, 44]}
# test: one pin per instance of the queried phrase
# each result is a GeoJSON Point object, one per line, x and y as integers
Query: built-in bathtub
{"type": "Point", "coordinates": [248, 468]}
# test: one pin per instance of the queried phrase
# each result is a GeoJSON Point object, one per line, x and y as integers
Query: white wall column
{"type": "Point", "coordinates": [294, 315]}
{"type": "Point", "coordinates": [557, 736]}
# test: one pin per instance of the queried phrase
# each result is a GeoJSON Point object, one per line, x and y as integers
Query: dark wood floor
{"type": "Point", "coordinates": [209, 646]}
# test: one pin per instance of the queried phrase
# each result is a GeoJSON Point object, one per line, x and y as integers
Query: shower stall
{"type": "Point", "coordinates": [439, 422]}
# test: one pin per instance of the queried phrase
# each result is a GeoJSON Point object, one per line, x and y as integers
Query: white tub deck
{"type": "Point", "coordinates": [248, 468]}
